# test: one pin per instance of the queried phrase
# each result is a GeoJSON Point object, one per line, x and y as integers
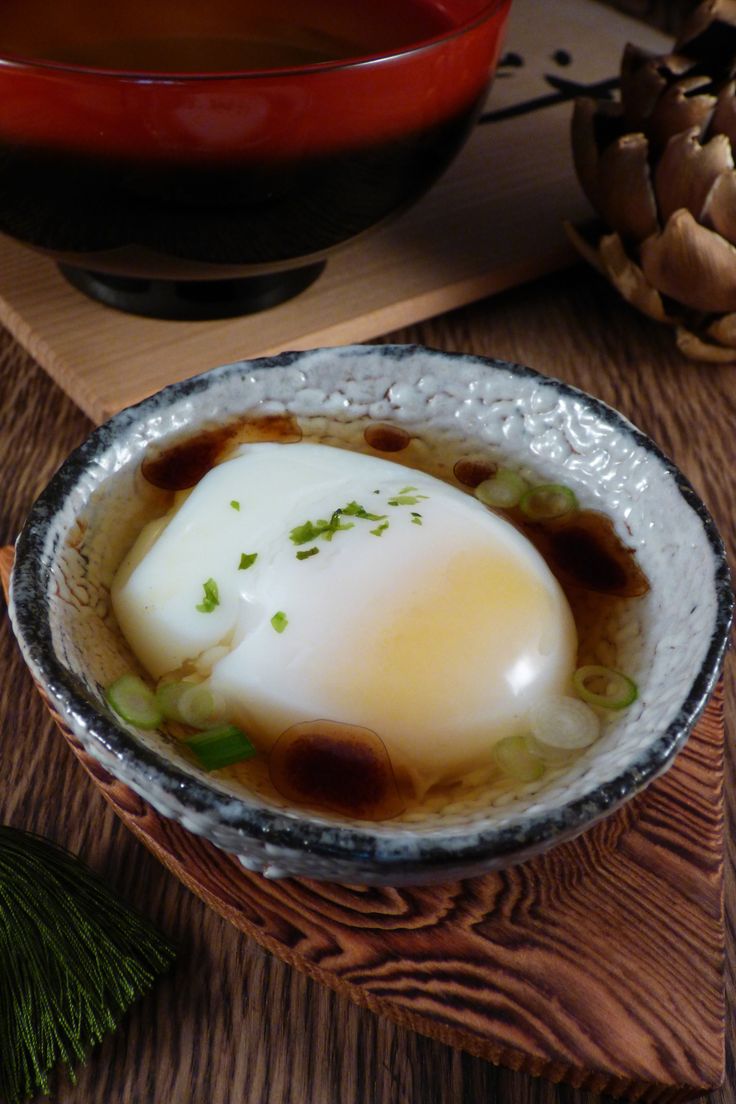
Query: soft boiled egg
{"type": "Point", "coordinates": [416, 613]}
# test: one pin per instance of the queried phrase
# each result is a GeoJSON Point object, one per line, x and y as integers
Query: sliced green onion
{"type": "Point", "coordinates": [134, 701]}
{"type": "Point", "coordinates": [551, 756]}
{"type": "Point", "coordinates": [503, 490]}
{"type": "Point", "coordinates": [221, 746]}
{"type": "Point", "coordinates": [168, 697]}
{"type": "Point", "coordinates": [563, 722]}
{"type": "Point", "coordinates": [247, 559]}
{"type": "Point", "coordinates": [199, 706]}
{"type": "Point", "coordinates": [516, 759]}
{"type": "Point", "coordinates": [548, 502]}
{"type": "Point", "coordinates": [604, 687]}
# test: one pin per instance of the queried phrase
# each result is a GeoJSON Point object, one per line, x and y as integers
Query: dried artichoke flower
{"type": "Point", "coordinates": [659, 168]}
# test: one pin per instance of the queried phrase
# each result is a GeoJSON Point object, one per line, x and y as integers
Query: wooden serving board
{"type": "Point", "coordinates": [493, 221]}
{"type": "Point", "coordinates": [599, 963]}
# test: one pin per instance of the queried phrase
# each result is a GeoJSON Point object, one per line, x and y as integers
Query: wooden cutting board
{"type": "Point", "coordinates": [493, 221]}
{"type": "Point", "coordinates": [599, 963]}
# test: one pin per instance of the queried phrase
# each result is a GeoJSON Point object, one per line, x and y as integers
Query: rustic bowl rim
{"type": "Point", "coordinates": [288, 831]}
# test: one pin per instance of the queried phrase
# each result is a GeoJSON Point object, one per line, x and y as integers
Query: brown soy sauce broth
{"type": "Point", "coordinates": [597, 571]}
{"type": "Point", "coordinates": [181, 464]}
{"type": "Point", "coordinates": [183, 36]}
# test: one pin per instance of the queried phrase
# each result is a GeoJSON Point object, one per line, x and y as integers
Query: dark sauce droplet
{"type": "Point", "coordinates": [340, 767]}
{"type": "Point", "coordinates": [386, 438]}
{"type": "Point", "coordinates": [471, 473]}
{"type": "Point", "coordinates": [181, 465]}
{"type": "Point", "coordinates": [586, 550]}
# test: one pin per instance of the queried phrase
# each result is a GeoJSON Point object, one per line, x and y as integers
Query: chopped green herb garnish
{"type": "Point", "coordinates": [279, 621]}
{"type": "Point", "coordinates": [211, 597]}
{"type": "Point", "coordinates": [309, 552]}
{"type": "Point", "coordinates": [334, 525]}
{"type": "Point", "coordinates": [301, 534]}
{"type": "Point", "coordinates": [247, 559]}
{"type": "Point", "coordinates": [403, 499]}
{"type": "Point", "coordinates": [235, 504]}
{"type": "Point", "coordinates": [311, 530]}
{"type": "Point", "coordinates": [376, 492]}
{"type": "Point", "coordinates": [380, 529]}
{"type": "Point", "coordinates": [354, 509]}
{"type": "Point", "coordinates": [416, 519]}
{"type": "Point", "coordinates": [406, 490]}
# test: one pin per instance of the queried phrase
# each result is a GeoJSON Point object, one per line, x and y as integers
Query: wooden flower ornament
{"type": "Point", "coordinates": [658, 166]}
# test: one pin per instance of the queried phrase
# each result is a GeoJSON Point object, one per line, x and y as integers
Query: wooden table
{"type": "Point", "coordinates": [230, 1024]}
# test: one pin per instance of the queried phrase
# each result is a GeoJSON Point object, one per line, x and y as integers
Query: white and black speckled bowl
{"type": "Point", "coordinates": [672, 640]}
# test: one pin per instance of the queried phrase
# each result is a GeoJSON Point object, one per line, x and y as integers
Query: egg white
{"type": "Point", "coordinates": [439, 632]}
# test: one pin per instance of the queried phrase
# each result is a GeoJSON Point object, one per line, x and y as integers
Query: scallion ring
{"type": "Point", "coordinates": [134, 701]}
{"type": "Point", "coordinates": [503, 490]}
{"type": "Point", "coordinates": [199, 706]}
{"type": "Point", "coordinates": [604, 687]}
{"type": "Point", "coordinates": [221, 747]}
{"type": "Point", "coordinates": [564, 723]}
{"type": "Point", "coordinates": [168, 697]}
{"type": "Point", "coordinates": [548, 502]}
{"type": "Point", "coordinates": [517, 760]}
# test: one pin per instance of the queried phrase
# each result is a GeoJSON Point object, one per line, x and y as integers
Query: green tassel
{"type": "Point", "coordinates": [73, 958]}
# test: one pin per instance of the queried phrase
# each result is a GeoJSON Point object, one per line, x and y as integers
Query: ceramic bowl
{"type": "Point", "coordinates": [432, 410]}
{"type": "Point", "coordinates": [157, 190]}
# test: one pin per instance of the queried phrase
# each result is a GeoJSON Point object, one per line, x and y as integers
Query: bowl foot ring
{"type": "Point", "coordinates": [193, 300]}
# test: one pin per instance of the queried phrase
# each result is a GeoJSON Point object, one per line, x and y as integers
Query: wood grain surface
{"type": "Point", "coordinates": [599, 963]}
{"type": "Point", "coordinates": [232, 1024]}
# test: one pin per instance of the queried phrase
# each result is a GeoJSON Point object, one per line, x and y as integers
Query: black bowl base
{"type": "Point", "coordinates": [193, 300]}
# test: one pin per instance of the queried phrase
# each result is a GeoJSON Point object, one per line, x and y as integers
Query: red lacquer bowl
{"type": "Point", "coordinates": [199, 195]}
